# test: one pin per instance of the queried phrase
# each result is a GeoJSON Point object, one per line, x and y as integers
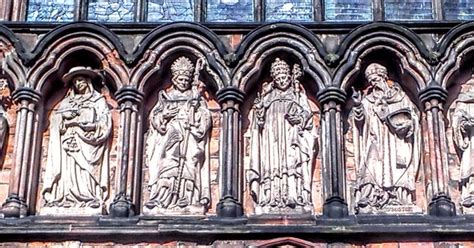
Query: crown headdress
{"type": "Point", "coordinates": [278, 67]}
{"type": "Point", "coordinates": [375, 68]}
{"type": "Point", "coordinates": [182, 66]}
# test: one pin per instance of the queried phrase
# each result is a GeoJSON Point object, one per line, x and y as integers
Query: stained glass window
{"type": "Point", "coordinates": [111, 10]}
{"type": "Point", "coordinates": [229, 10]}
{"type": "Point", "coordinates": [289, 10]}
{"type": "Point", "coordinates": [170, 10]}
{"type": "Point", "coordinates": [408, 10]}
{"type": "Point", "coordinates": [50, 11]}
{"type": "Point", "coordinates": [459, 9]}
{"type": "Point", "coordinates": [348, 10]}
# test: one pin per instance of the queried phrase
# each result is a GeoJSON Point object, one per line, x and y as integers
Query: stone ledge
{"type": "Point", "coordinates": [164, 228]}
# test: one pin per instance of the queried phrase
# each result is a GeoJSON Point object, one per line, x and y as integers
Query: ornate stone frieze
{"type": "Point", "coordinates": [387, 134]}
{"type": "Point", "coordinates": [283, 138]}
{"type": "Point", "coordinates": [76, 178]}
{"type": "Point", "coordinates": [177, 152]}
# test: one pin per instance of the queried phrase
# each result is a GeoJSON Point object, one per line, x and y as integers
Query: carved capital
{"type": "Point", "coordinates": [26, 94]}
{"type": "Point", "coordinates": [230, 59]}
{"type": "Point", "coordinates": [433, 96]}
{"type": "Point", "coordinates": [433, 58]}
{"type": "Point", "coordinates": [332, 94]}
{"type": "Point", "coordinates": [331, 59]}
{"type": "Point", "coordinates": [230, 97]}
{"type": "Point", "coordinates": [129, 94]}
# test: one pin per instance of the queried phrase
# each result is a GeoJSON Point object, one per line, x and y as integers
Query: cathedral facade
{"type": "Point", "coordinates": [155, 123]}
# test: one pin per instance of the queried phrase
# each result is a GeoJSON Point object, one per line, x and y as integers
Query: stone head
{"type": "Point", "coordinates": [376, 75]}
{"type": "Point", "coordinates": [280, 72]}
{"type": "Point", "coordinates": [81, 78]}
{"type": "Point", "coordinates": [181, 73]}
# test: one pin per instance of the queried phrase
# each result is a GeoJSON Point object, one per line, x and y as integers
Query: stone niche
{"type": "Point", "coordinates": [79, 140]}
{"type": "Point", "coordinates": [282, 165]}
{"type": "Point", "coordinates": [383, 141]}
{"type": "Point", "coordinates": [459, 113]}
{"type": "Point", "coordinates": [181, 140]}
{"type": "Point", "coordinates": [7, 133]}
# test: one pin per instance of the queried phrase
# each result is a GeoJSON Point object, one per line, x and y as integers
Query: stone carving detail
{"type": "Point", "coordinates": [282, 145]}
{"type": "Point", "coordinates": [387, 143]}
{"type": "Point", "coordinates": [177, 152]}
{"type": "Point", "coordinates": [4, 127]}
{"type": "Point", "coordinates": [76, 178]}
{"type": "Point", "coordinates": [463, 131]}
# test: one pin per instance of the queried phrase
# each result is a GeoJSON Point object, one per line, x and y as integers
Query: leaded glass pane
{"type": "Point", "coordinates": [408, 10]}
{"type": "Point", "coordinates": [229, 10]}
{"type": "Point", "coordinates": [289, 10]}
{"type": "Point", "coordinates": [111, 10]}
{"type": "Point", "coordinates": [459, 9]}
{"type": "Point", "coordinates": [50, 11]}
{"type": "Point", "coordinates": [170, 10]}
{"type": "Point", "coordinates": [348, 10]}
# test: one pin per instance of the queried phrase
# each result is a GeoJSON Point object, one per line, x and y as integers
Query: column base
{"type": "Point", "coordinates": [441, 206]}
{"type": "Point", "coordinates": [122, 207]}
{"type": "Point", "coordinates": [14, 207]}
{"type": "Point", "coordinates": [335, 207]}
{"type": "Point", "coordinates": [228, 207]}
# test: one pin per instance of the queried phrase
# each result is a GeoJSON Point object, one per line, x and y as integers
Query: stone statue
{"type": "Point", "coordinates": [282, 145]}
{"type": "Point", "coordinates": [463, 136]}
{"type": "Point", "coordinates": [387, 142]}
{"type": "Point", "coordinates": [177, 152]}
{"type": "Point", "coordinates": [77, 170]}
{"type": "Point", "coordinates": [4, 127]}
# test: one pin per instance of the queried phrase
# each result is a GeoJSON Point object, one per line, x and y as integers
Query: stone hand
{"type": "Point", "coordinates": [293, 119]}
{"type": "Point", "coordinates": [169, 113]}
{"type": "Point", "coordinates": [70, 114]}
{"type": "Point", "coordinates": [87, 126]}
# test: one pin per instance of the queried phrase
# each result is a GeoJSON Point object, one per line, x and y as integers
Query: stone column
{"type": "Point", "coordinates": [332, 152]}
{"type": "Point", "coordinates": [128, 181]}
{"type": "Point", "coordinates": [229, 204]}
{"type": "Point", "coordinates": [16, 203]}
{"type": "Point", "coordinates": [432, 99]}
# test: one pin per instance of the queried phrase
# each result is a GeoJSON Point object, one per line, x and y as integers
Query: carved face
{"type": "Point", "coordinates": [378, 81]}
{"type": "Point", "coordinates": [81, 84]}
{"type": "Point", "coordinates": [181, 82]}
{"type": "Point", "coordinates": [282, 81]}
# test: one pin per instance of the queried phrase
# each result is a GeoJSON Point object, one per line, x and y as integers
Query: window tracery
{"type": "Point", "coordinates": [246, 10]}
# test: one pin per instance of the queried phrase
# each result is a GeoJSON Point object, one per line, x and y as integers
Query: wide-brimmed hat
{"type": "Point", "coordinates": [81, 70]}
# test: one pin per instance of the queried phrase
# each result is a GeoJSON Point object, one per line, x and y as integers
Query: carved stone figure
{"type": "Point", "coordinates": [4, 127]}
{"type": "Point", "coordinates": [77, 170]}
{"type": "Point", "coordinates": [387, 142]}
{"type": "Point", "coordinates": [282, 145]}
{"type": "Point", "coordinates": [177, 145]}
{"type": "Point", "coordinates": [463, 136]}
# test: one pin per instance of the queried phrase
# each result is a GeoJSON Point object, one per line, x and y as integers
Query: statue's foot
{"type": "Point", "coordinates": [94, 204]}
{"type": "Point", "coordinates": [468, 202]}
{"type": "Point", "coordinates": [291, 204]}
{"type": "Point", "coordinates": [150, 205]}
{"type": "Point", "coordinates": [182, 203]}
{"type": "Point", "coordinates": [363, 203]}
{"type": "Point", "coordinates": [68, 204]}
